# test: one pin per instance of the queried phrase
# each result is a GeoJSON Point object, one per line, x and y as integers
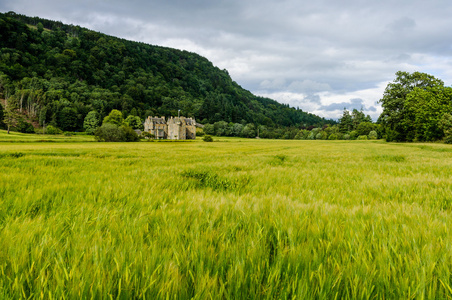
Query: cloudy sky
{"type": "Point", "coordinates": [321, 56]}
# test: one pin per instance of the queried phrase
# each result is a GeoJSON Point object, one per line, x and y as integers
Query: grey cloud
{"type": "Point", "coordinates": [402, 25]}
{"type": "Point", "coordinates": [353, 104]}
{"type": "Point", "coordinates": [303, 47]}
{"type": "Point", "coordinates": [308, 86]}
{"type": "Point", "coordinates": [312, 98]}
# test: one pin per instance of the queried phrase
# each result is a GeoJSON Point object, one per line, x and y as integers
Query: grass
{"type": "Point", "coordinates": [234, 219]}
{"type": "Point", "coordinates": [17, 137]}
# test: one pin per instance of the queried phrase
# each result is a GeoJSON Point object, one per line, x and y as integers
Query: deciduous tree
{"type": "Point", "coordinates": [394, 114]}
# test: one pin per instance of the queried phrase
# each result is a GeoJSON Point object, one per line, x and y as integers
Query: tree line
{"type": "Point", "coordinates": [351, 126]}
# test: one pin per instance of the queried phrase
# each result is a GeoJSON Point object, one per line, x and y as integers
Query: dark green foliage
{"type": "Point", "coordinates": [64, 71]}
{"type": "Point", "coordinates": [134, 122]}
{"type": "Point", "coordinates": [446, 125]}
{"type": "Point", "coordinates": [365, 127]}
{"type": "Point", "coordinates": [68, 119]}
{"type": "Point", "coordinates": [207, 138]}
{"type": "Point", "coordinates": [24, 126]}
{"type": "Point", "coordinates": [413, 105]}
{"type": "Point", "coordinates": [129, 134]}
{"type": "Point", "coordinates": [109, 133]}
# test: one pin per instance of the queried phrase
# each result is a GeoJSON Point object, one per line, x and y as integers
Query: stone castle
{"type": "Point", "coordinates": [175, 128]}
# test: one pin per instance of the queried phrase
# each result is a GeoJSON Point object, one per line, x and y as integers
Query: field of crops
{"type": "Point", "coordinates": [236, 218]}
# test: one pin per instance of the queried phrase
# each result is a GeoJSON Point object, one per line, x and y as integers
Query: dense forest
{"type": "Point", "coordinates": [56, 74]}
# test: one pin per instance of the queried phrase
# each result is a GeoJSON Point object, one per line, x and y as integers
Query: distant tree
{"type": "Point", "coordinates": [115, 117]}
{"type": "Point", "coordinates": [358, 117]}
{"type": "Point", "coordinates": [345, 122]}
{"type": "Point", "coordinates": [11, 115]}
{"type": "Point", "coordinates": [249, 131]}
{"type": "Point", "coordinates": [365, 127]}
{"type": "Point", "coordinates": [220, 128]}
{"type": "Point", "coordinates": [333, 136]}
{"type": "Point", "coordinates": [68, 119]}
{"type": "Point", "coordinates": [209, 129]}
{"type": "Point", "coordinates": [237, 129]}
{"type": "Point", "coordinates": [354, 135]}
{"type": "Point", "coordinates": [91, 122]}
{"type": "Point", "coordinates": [134, 122]}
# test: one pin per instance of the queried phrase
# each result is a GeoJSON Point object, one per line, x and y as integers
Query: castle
{"type": "Point", "coordinates": [175, 128]}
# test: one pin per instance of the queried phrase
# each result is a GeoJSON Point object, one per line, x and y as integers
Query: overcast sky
{"type": "Point", "coordinates": [318, 55]}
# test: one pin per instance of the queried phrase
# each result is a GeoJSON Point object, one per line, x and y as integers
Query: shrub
{"type": "Point", "coordinates": [24, 127]}
{"type": "Point", "coordinates": [346, 136]}
{"type": "Point", "coordinates": [129, 134]}
{"type": "Point", "coordinates": [52, 130]}
{"type": "Point", "coordinates": [207, 138]}
{"type": "Point", "coordinates": [332, 136]}
{"type": "Point", "coordinates": [109, 132]}
{"type": "Point", "coordinates": [373, 135]}
{"type": "Point", "coordinates": [354, 135]}
{"type": "Point", "coordinates": [362, 137]}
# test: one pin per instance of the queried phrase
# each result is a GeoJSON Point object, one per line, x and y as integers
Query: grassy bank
{"type": "Point", "coordinates": [230, 219]}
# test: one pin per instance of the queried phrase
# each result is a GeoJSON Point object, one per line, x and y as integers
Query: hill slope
{"type": "Point", "coordinates": [60, 72]}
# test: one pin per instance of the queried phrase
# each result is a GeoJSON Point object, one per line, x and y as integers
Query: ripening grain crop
{"type": "Point", "coordinates": [237, 218]}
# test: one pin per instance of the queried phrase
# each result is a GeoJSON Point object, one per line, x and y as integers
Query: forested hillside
{"type": "Point", "coordinates": [58, 73]}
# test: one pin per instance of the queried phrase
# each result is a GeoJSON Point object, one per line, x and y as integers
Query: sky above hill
{"type": "Point", "coordinates": [321, 56]}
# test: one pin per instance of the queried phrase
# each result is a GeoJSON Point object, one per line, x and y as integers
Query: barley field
{"type": "Point", "coordinates": [232, 219]}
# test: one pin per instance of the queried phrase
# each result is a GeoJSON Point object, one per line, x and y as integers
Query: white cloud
{"type": "Point", "coordinates": [310, 54]}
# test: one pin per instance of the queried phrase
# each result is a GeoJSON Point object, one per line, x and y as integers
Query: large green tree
{"type": "Point", "coordinates": [425, 107]}
{"type": "Point", "coordinates": [394, 115]}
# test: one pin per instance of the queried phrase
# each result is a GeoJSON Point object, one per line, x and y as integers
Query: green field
{"type": "Point", "coordinates": [237, 218]}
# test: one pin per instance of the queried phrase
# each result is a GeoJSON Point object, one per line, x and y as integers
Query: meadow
{"type": "Point", "coordinates": [232, 219]}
